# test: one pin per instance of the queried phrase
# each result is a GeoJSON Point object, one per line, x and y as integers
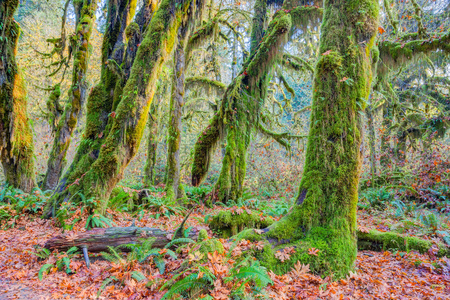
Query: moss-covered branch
{"type": "Point", "coordinates": [282, 138]}
{"type": "Point", "coordinates": [296, 63]}
{"type": "Point", "coordinates": [204, 82]}
{"type": "Point", "coordinates": [396, 54]}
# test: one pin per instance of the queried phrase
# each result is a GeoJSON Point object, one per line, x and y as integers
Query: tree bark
{"type": "Point", "coordinates": [99, 239]}
{"type": "Point", "coordinates": [77, 95]}
{"type": "Point", "coordinates": [130, 117]}
{"type": "Point", "coordinates": [174, 188]}
{"type": "Point", "coordinates": [373, 162]}
{"type": "Point", "coordinates": [152, 143]}
{"type": "Point", "coordinates": [324, 215]}
{"type": "Point", "coordinates": [16, 138]}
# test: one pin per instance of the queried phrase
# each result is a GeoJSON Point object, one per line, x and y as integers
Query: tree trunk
{"type": "Point", "coordinates": [130, 117]}
{"type": "Point", "coordinates": [77, 95]}
{"type": "Point", "coordinates": [373, 162]}
{"type": "Point", "coordinates": [16, 138]}
{"type": "Point", "coordinates": [99, 239]}
{"type": "Point", "coordinates": [174, 188]}
{"type": "Point", "coordinates": [104, 97]}
{"type": "Point", "coordinates": [152, 146]}
{"type": "Point", "coordinates": [324, 215]}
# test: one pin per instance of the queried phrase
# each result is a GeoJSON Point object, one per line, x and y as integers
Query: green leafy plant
{"type": "Point", "coordinates": [62, 261]}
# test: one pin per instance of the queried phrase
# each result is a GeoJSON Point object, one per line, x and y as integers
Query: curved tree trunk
{"type": "Point", "coordinates": [77, 94]}
{"type": "Point", "coordinates": [130, 117]}
{"type": "Point", "coordinates": [101, 100]}
{"type": "Point", "coordinates": [16, 138]}
{"type": "Point", "coordinates": [324, 215]}
{"type": "Point", "coordinates": [238, 115]}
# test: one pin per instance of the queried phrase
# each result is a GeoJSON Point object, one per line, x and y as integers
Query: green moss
{"type": "Point", "coordinates": [132, 29]}
{"type": "Point", "coordinates": [16, 146]}
{"type": "Point", "coordinates": [376, 240]}
{"type": "Point", "coordinates": [228, 223]}
{"type": "Point", "coordinates": [324, 215]}
{"type": "Point", "coordinates": [202, 235]}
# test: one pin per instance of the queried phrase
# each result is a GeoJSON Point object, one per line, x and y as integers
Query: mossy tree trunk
{"type": "Point", "coordinates": [152, 143]}
{"type": "Point", "coordinates": [238, 115]}
{"type": "Point", "coordinates": [371, 130]}
{"type": "Point", "coordinates": [174, 188]}
{"type": "Point", "coordinates": [130, 116]}
{"type": "Point", "coordinates": [16, 138]}
{"type": "Point", "coordinates": [100, 102]}
{"type": "Point", "coordinates": [324, 215]}
{"type": "Point", "coordinates": [77, 94]}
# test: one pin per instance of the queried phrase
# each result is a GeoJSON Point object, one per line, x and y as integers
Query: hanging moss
{"type": "Point", "coordinates": [396, 54]}
{"type": "Point", "coordinates": [203, 150]}
{"type": "Point", "coordinates": [16, 139]}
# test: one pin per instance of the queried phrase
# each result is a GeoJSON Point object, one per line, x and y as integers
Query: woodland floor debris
{"type": "Point", "coordinates": [379, 275]}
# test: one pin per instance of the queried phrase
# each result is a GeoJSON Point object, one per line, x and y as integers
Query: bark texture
{"type": "Point", "coordinates": [130, 116]}
{"type": "Point", "coordinates": [77, 94]}
{"type": "Point", "coordinates": [16, 138]}
{"type": "Point", "coordinates": [324, 215]}
{"type": "Point", "coordinates": [99, 239]}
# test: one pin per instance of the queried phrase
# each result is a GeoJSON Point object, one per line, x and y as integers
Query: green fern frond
{"type": "Point", "coordinates": [179, 241]}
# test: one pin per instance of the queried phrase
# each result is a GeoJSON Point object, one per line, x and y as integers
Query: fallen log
{"type": "Point", "coordinates": [99, 239]}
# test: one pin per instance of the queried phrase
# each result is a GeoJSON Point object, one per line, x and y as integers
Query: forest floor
{"type": "Point", "coordinates": [379, 275]}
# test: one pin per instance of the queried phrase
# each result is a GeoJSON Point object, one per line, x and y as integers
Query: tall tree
{"type": "Point", "coordinates": [85, 12]}
{"type": "Point", "coordinates": [240, 107]}
{"type": "Point", "coordinates": [324, 214]}
{"type": "Point", "coordinates": [129, 118]}
{"type": "Point", "coordinates": [16, 138]}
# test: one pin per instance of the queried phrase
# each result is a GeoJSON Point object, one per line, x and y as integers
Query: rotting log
{"type": "Point", "coordinates": [99, 239]}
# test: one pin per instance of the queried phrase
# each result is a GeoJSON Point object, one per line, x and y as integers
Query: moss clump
{"type": "Point", "coordinates": [229, 223]}
{"type": "Point", "coordinates": [202, 235]}
{"type": "Point", "coordinates": [132, 30]}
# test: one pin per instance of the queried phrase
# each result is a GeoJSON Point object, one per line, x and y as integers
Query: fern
{"type": "Point", "coordinates": [138, 276]}
{"type": "Point", "coordinates": [113, 255]}
{"type": "Point", "coordinates": [105, 283]}
{"type": "Point", "coordinates": [179, 241]}
{"type": "Point", "coordinates": [187, 283]}
{"type": "Point", "coordinates": [257, 273]}
{"type": "Point", "coordinates": [44, 269]}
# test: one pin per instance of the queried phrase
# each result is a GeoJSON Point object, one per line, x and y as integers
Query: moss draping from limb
{"type": "Point", "coordinates": [203, 150]}
{"type": "Point", "coordinates": [199, 81]}
{"type": "Point", "coordinates": [282, 138]}
{"type": "Point", "coordinates": [16, 138]}
{"type": "Point", "coordinates": [396, 54]}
